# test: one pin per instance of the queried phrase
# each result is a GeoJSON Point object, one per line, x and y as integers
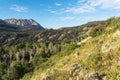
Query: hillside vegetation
{"type": "Point", "coordinates": [87, 52]}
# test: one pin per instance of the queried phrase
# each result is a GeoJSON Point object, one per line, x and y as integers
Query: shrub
{"type": "Point", "coordinates": [95, 31]}
{"type": "Point", "coordinates": [16, 71]}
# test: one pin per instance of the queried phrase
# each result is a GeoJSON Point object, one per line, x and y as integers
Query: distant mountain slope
{"type": "Point", "coordinates": [13, 31]}
{"type": "Point", "coordinates": [75, 33]}
{"type": "Point", "coordinates": [7, 27]}
{"type": "Point", "coordinates": [31, 24]}
{"type": "Point", "coordinates": [21, 24]}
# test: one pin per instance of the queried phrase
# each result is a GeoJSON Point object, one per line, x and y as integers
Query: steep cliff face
{"type": "Point", "coordinates": [24, 23]}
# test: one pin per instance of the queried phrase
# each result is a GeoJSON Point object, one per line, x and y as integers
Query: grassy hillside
{"type": "Point", "coordinates": [86, 52]}
{"type": "Point", "coordinates": [94, 58]}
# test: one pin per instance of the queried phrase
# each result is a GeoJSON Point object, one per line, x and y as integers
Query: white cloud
{"type": "Point", "coordinates": [18, 8]}
{"type": "Point", "coordinates": [81, 9]}
{"type": "Point", "coordinates": [80, 1]}
{"type": "Point", "coordinates": [58, 4]}
{"type": "Point", "coordinates": [57, 12]}
{"type": "Point", "coordinates": [105, 4]}
{"type": "Point", "coordinates": [52, 11]}
{"type": "Point", "coordinates": [90, 6]}
{"type": "Point", "coordinates": [66, 18]}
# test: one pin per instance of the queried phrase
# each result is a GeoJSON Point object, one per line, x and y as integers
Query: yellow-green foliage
{"type": "Point", "coordinates": [100, 53]}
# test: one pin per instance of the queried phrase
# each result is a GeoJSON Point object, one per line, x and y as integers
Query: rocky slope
{"type": "Point", "coordinates": [23, 24]}
{"type": "Point", "coordinates": [5, 27]}
{"type": "Point", "coordinates": [76, 33]}
{"type": "Point", "coordinates": [12, 31]}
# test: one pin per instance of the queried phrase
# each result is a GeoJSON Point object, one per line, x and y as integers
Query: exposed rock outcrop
{"type": "Point", "coordinates": [24, 23]}
{"type": "Point", "coordinates": [93, 76]}
{"type": "Point", "coordinates": [75, 69]}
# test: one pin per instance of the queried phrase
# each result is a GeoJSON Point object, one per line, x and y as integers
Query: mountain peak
{"type": "Point", "coordinates": [29, 23]}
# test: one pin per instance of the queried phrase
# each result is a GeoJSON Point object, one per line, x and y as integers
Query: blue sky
{"type": "Point", "coordinates": [60, 13]}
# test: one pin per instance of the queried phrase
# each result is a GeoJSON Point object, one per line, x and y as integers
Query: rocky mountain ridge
{"type": "Point", "coordinates": [21, 22]}
{"type": "Point", "coordinates": [11, 36]}
{"type": "Point", "coordinates": [24, 23]}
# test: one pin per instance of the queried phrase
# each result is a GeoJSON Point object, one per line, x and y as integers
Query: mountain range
{"type": "Point", "coordinates": [15, 30]}
{"type": "Point", "coordinates": [20, 24]}
{"type": "Point", "coordinates": [85, 52]}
